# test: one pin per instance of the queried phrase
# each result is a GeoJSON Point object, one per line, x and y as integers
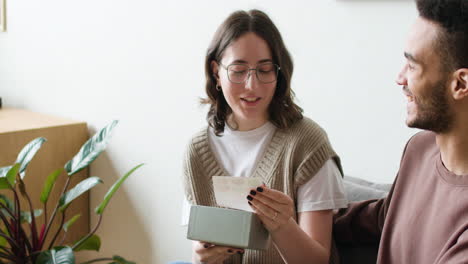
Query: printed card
{"type": "Point", "coordinates": [231, 192]}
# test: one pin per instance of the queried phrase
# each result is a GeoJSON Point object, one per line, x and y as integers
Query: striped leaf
{"type": "Point", "coordinates": [57, 255]}
{"type": "Point", "coordinates": [27, 153]}
{"type": "Point", "coordinates": [78, 190]}
{"type": "Point", "coordinates": [4, 170]}
{"type": "Point", "coordinates": [90, 150]}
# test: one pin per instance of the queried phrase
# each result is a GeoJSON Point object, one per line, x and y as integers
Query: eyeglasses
{"type": "Point", "coordinates": [239, 73]}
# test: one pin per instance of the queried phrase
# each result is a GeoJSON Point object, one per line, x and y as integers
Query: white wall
{"type": "Point", "coordinates": [141, 62]}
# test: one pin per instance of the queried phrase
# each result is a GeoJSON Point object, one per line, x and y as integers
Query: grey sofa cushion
{"type": "Point", "coordinates": [359, 190]}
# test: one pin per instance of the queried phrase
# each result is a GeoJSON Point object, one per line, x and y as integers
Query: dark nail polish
{"type": "Point", "coordinates": [260, 189]}
{"type": "Point", "coordinates": [205, 246]}
{"type": "Point", "coordinates": [253, 192]}
{"type": "Point", "coordinates": [229, 250]}
{"type": "Point", "coordinates": [250, 198]}
{"type": "Point", "coordinates": [250, 203]}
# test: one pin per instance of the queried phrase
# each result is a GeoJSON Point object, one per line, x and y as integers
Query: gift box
{"type": "Point", "coordinates": [227, 227]}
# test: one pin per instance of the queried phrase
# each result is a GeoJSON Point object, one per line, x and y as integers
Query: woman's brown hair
{"type": "Point", "coordinates": [283, 112]}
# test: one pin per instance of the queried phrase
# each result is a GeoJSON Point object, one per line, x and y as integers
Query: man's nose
{"type": "Point", "coordinates": [401, 78]}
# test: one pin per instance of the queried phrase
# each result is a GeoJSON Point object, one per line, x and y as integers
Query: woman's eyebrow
{"type": "Point", "coordinates": [245, 62]}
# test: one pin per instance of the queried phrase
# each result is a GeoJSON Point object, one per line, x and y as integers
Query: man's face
{"type": "Point", "coordinates": [424, 81]}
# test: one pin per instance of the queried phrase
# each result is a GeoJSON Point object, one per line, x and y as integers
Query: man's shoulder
{"type": "Point", "coordinates": [423, 139]}
{"type": "Point", "coordinates": [420, 146]}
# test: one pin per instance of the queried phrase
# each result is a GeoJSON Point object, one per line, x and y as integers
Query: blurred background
{"type": "Point", "coordinates": [142, 62]}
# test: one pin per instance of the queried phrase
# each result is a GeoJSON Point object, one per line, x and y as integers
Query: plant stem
{"type": "Point", "coordinates": [49, 224]}
{"type": "Point", "coordinates": [7, 250]}
{"type": "Point", "coordinates": [45, 215]}
{"type": "Point", "coordinates": [9, 257]}
{"type": "Point", "coordinates": [35, 242]}
{"type": "Point", "coordinates": [63, 238]}
{"type": "Point", "coordinates": [58, 231]}
{"type": "Point", "coordinates": [21, 252]}
{"type": "Point", "coordinates": [10, 240]}
{"type": "Point", "coordinates": [79, 243]}
{"type": "Point", "coordinates": [9, 227]}
{"type": "Point", "coordinates": [97, 260]}
{"type": "Point", "coordinates": [8, 211]}
{"type": "Point", "coordinates": [6, 222]}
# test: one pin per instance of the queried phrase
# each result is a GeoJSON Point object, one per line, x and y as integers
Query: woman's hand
{"type": "Point", "coordinates": [274, 208]}
{"type": "Point", "coordinates": [212, 254]}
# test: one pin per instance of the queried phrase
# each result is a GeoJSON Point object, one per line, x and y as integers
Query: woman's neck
{"type": "Point", "coordinates": [245, 125]}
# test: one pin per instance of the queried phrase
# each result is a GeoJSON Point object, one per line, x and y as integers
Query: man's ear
{"type": "Point", "coordinates": [460, 84]}
{"type": "Point", "coordinates": [215, 70]}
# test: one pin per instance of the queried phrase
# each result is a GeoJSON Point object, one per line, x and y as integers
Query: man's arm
{"type": "Point", "coordinates": [361, 222]}
{"type": "Point", "coordinates": [458, 251]}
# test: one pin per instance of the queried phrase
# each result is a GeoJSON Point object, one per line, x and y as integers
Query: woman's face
{"type": "Point", "coordinates": [248, 100]}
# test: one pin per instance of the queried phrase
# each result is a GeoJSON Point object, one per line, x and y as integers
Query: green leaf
{"type": "Point", "coordinates": [70, 222]}
{"type": "Point", "coordinates": [92, 243]}
{"type": "Point", "coordinates": [8, 176]}
{"type": "Point", "coordinates": [120, 260]}
{"type": "Point", "coordinates": [11, 174]}
{"type": "Point", "coordinates": [100, 209]}
{"type": "Point", "coordinates": [27, 153]}
{"type": "Point", "coordinates": [78, 190]}
{"type": "Point", "coordinates": [49, 184]}
{"type": "Point", "coordinates": [6, 201]}
{"type": "Point", "coordinates": [3, 180]}
{"type": "Point", "coordinates": [4, 183]}
{"type": "Point", "coordinates": [4, 170]}
{"type": "Point", "coordinates": [90, 150]}
{"type": "Point", "coordinates": [57, 255]}
{"type": "Point", "coordinates": [3, 241]}
{"type": "Point", "coordinates": [26, 215]}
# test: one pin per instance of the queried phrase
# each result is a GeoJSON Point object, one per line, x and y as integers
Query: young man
{"type": "Point", "coordinates": [425, 217]}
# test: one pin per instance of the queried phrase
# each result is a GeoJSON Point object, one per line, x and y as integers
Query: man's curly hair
{"type": "Point", "coordinates": [452, 17]}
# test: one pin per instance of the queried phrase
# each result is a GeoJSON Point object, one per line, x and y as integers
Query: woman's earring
{"type": "Point", "coordinates": [218, 88]}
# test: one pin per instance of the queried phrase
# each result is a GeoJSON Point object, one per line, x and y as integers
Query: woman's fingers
{"type": "Point", "coordinates": [273, 207]}
{"type": "Point", "coordinates": [270, 223]}
{"type": "Point", "coordinates": [209, 253]}
{"type": "Point", "coordinates": [274, 195]}
{"type": "Point", "coordinates": [264, 206]}
{"type": "Point", "coordinates": [275, 200]}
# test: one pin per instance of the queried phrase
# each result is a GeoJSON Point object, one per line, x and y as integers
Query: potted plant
{"type": "Point", "coordinates": [21, 240]}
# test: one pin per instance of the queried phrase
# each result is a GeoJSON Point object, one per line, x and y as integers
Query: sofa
{"type": "Point", "coordinates": [359, 190]}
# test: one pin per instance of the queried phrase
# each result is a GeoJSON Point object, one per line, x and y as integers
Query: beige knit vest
{"type": "Point", "coordinates": [292, 157]}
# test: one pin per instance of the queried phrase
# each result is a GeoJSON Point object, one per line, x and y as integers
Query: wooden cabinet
{"type": "Point", "coordinates": [64, 139]}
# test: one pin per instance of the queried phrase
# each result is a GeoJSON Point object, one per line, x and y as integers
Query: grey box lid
{"type": "Point", "coordinates": [227, 227]}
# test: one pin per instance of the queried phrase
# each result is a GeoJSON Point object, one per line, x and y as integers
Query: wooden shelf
{"type": "Point", "coordinates": [64, 139]}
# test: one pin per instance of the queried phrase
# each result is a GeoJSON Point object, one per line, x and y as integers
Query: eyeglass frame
{"type": "Point", "coordinates": [251, 69]}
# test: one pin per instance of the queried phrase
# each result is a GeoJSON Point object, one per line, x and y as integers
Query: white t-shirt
{"type": "Point", "coordinates": [240, 151]}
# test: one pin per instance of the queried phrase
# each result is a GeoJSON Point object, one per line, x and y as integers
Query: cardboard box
{"type": "Point", "coordinates": [227, 227]}
{"type": "Point", "coordinates": [64, 139]}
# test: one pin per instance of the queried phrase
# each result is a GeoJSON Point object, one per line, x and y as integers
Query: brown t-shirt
{"type": "Point", "coordinates": [425, 217]}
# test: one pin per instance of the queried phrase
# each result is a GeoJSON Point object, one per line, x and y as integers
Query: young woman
{"type": "Point", "coordinates": [256, 130]}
